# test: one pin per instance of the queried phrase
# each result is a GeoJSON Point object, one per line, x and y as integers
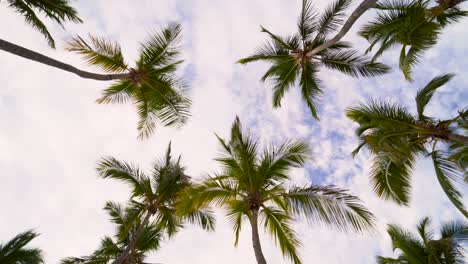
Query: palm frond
{"type": "Point", "coordinates": [276, 162]}
{"type": "Point", "coordinates": [425, 94]}
{"type": "Point", "coordinates": [161, 48]}
{"type": "Point", "coordinates": [379, 113]}
{"type": "Point", "coordinates": [383, 260]}
{"type": "Point", "coordinates": [307, 23]}
{"type": "Point", "coordinates": [291, 43]}
{"type": "Point", "coordinates": [99, 52]}
{"type": "Point", "coordinates": [269, 52]}
{"type": "Point", "coordinates": [451, 15]}
{"type": "Point", "coordinates": [32, 19]}
{"type": "Point", "coordinates": [333, 17]}
{"type": "Point", "coordinates": [283, 75]}
{"type": "Point", "coordinates": [202, 217]}
{"type": "Point", "coordinates": [349, 62]}
{"type": "Point", "coordinates": [310, 87]}
{"type": "Point", "coordinates": [161, 99]}
{"type": "Point", "coordinates": [424, 230]}
{"type": "Point", "coordinates": [332, 206]}
{"type": "Point", "coordinates": [15, 251]}
{"type": "Point", "coordinates": [449, 179]}
{"type": "Point", "coordinates": [459, 155]}
{"type": "Point", "coordinates": [390, 180]}
{"type": "Point", "coordinates": [412, 248]}
{"type": "Point", "coordinates": [457, 231]}
{"type": "Point", "coordinates": [236, 211]}
{"type": "Point", "coordinates": [278, 224]}
{"type": "Point", "coordinates": [119, 92]}
{"type": "Point", "coordinates": [110, 167]}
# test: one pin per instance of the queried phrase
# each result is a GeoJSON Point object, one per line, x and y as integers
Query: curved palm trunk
{"type": "Point", "coordinates": [37, 57]}
{"type": "Point", "coordinates": [134, 239]}
{"type": "Point", "coordinates": [366, 4]}
{"type": "Point", "coordinates": [256, 239]}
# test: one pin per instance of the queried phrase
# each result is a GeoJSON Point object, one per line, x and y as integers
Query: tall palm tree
{"type": "Point", "coordinates": [59, 11]}
{"type": "Point", "coordinates": [254, 186]}
{"type": "Point", "coordinates": [297, 58]}
{"type": "Point", "coordinates": [396, 138]}
{"type": "Point", "coordinates": [110, 249]}
{"type": "Point", "coordinates": [14, 251]}
{"type": "Point", "coordinates": [415, 25]}
{"type": "Point", "coordinates": [448, 249]}
{"type": "Point", "coordinates": [155, 196]}
{"type": "Point", "coordinates": [152, 85]}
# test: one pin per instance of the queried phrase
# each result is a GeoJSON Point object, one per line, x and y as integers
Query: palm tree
{"type": "Point", "coordinates": [396, 138]}
{"type": "Point", "coordinates": [155, 196]}
{"type": "Point", "coordinates": [426, 249]}
{"type": "Point", "coordinates": [413, 24]}
{"type": "Point", "coordinates": [57, 10]}
{"type": "Point", "coordinates": [14, 251]}
{"type": "Point", "coordinates": [110, 249]}
{"type": "Point", "coordinates": [254, 186]}
{"type": "Point", "coordinates": [152, 85]}
{"type": "Point", "coordinates": [297, 58]}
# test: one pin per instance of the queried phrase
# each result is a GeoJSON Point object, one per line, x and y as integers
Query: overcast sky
{"type": "Point", "coordinates": [52, 133]}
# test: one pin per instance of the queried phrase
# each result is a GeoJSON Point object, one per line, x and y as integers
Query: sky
{"type": "Point", "coordinates": [53, 133]}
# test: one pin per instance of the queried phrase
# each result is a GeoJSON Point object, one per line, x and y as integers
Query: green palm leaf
{"type": "Point", "coordinates": [100, 52]}
{"type": "Point", "coordinates": [330, 205]}
{"type": "Point", "coordinates": [57, 10]}
{"type": "Point", "coordinates": [392, 180]}
{"type": "Point", "coordinates": [15, 251]}
{"type": "Point", "coordinates": [307, 24]}
{"type": "Point", "coordinates": [278, 223]}
{"type": "Point", "coordinates": [449, 178]}
{"type": "Point", "coordinates": [333, 17]}
{"type": "Point", "coordinates": [424, 95]}
{"type": "Point", "coordinates": [310, 87]}
{"type": "Point", "coordinates": [348, 62]}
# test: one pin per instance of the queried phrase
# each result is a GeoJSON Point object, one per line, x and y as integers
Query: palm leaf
{"type": "Point", "coordinates": [307, 24]}
{"type": "Point", "coordinates": [278, 224]}
{"type": "Point", "coordinates": [110, 167]}
{"type": "Point", "coordinates": [100, 52]}
{"type": "Point", "coordinates": [449, 178]}
{"type": "Point", "coordinates": [392, 180]}
{"type": "Point", "coordinates": [333, 17]}
{"type": "Point", "coordinates": [119, 92]}
{"type": "Point", "coordinates": [236, 211]}
{"type": "Point", "coordinates": [348, 62]}
{"type": "Point", "coordinates": [332, 206]}
{"type": "Point", "coordinates": [31, 18]}
{"type": "Point", "coordinates": [15, 251]}
{"type": "Point", "coordinates": [161, 48]}
{"type": "Point", "coordinates": [310, 87]}
{"type": "Point", "coordinates": [425, 94]}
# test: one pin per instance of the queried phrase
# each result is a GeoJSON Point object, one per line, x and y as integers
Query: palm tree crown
{"type": "Point", "coordinates": [57, 10]}
{"type": "Point", "coordinates": [396, 137]}
{"type": "Point", "coordinates": [110, 249]}
{"type": "Point", "coordinates": [14, 251]}
{"type": "Point", "coordinates": [152, 85]}
{"type": "Point", "coordinates": [155, 196]}
{"type": "Point", "coordinates": [294, 58]}
{"type": "Point", "coordinates": [413, 24]}
{"type": "Point", "coordinates": [253, 184]}
{"type": "Point", "coordinates": [448, 249]}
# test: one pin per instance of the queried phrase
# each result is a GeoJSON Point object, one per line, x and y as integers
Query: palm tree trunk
{"type": "Point", "coordinates": [134, 239]}
{"type": "Point", "coordinates": [366, 4]}
{"type": "Point", "coordinates": [37, 57]}
{"type": "Point", "coordinates": [457, 137]}
{"type": "Point", "coordinates": [256, 239]}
